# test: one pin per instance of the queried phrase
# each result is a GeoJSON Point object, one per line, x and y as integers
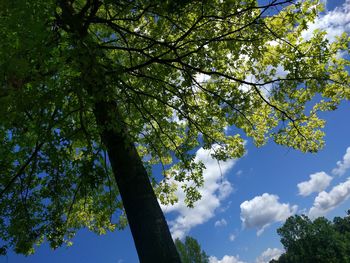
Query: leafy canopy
{"type": "Point", "coordinates": [181, 72]}
{"type": "Point", "coordinates": [315, 241]}
{"type": "Point", "coordinates": [190, 251]}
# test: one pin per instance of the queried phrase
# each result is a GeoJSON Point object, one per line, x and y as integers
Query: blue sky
{"type": "Point", "coordinates": [245, 202]}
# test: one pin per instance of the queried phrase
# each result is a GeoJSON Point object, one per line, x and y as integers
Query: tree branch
{"type": "Point", "coordinates": [21, 170]}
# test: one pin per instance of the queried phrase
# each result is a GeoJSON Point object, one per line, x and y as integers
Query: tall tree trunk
{"type": "Point", "coordinates": [150, 231]}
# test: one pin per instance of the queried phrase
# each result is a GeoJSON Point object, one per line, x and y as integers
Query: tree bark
{"type": "Point", "coordinates": [147, 223]}
{"type": "Point", "coordinates": [148, 226]}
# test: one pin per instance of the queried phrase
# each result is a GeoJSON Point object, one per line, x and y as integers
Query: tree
{"type": "Point", "coordinates": [190, 251]}
{"type": "Point", "coordinates": [315, 241]}
{"type": "Point", "coordinates": [95, 92]}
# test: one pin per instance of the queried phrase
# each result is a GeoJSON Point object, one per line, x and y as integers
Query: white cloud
{"type": "Point", "coordinates": [216, 188]}
{"type": "Point", "coordinates": [264, 210]}
{"type": "Point", "coordinates": [325, 202]}
{"type": "Point", "coordinates": [226, 259]}
{"type": "Point", "coordinates": [202, 78]}
{"type": "Point", "coordinates": [344, 165]}
{"type": "Point", "coordinates": [221, 222]}
{"type": "Point", "coordinates": [232, 237]}
{"type": "Point", "coordinates": [239, 173]}
{"type": "Point", "coordinates": [280, 73]}
{"type": "Point", "coordinates": [269, 254]}
{"type": "Point", "coordinates": [334, 22]}
{"type": "Point", "coordinates": [317, 183]}
{"type": "Point", "coordinates": [225, 189]}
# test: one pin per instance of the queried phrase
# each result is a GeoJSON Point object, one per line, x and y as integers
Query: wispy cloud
{"type": "Point", "coordinates": [269, 254]}
{"type": "Point", "coordinates": [334, 22]}
{"type": "Point", "coordinates": [221, 222]}
{"type": "Point", "coordinates": [216, 188]}
{"type": "Point", "coordinates": [344, 165]}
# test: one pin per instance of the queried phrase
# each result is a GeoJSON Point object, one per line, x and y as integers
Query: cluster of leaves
{"type": "Point", "coordinates": [190, 251]}
{"type": "Point", "coordinates": [179, 78]}
{"type": "Point", "coordinates": [315, 241]}
{"type": "Point", "coordinates": [54, 175]}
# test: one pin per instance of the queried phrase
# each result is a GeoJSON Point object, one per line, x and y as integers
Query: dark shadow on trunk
{"type": "Point", "coordinates": [147, 223]}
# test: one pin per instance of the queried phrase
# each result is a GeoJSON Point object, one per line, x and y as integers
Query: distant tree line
{"type": "Point", "coordinates": [190, 251]}
{"type": "Point", "coordinates": [304, 240]}
{"type": "Point", "coordinates": [318, 241]}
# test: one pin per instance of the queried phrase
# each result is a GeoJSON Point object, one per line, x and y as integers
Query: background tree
{"type": "Point", "coordinates": [190, 251]}
{"type": "Point", "coordinates": [95, 92]}
{"type": "Point", "coordinates": [315, 241]}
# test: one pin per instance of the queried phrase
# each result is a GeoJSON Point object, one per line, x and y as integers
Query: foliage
{"type": "Point", "coordinates": [190, 251]}
{"type": "Point", "coordinates": [180, 74]}
{"type": "Point", "coordinates": [315, 241]}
